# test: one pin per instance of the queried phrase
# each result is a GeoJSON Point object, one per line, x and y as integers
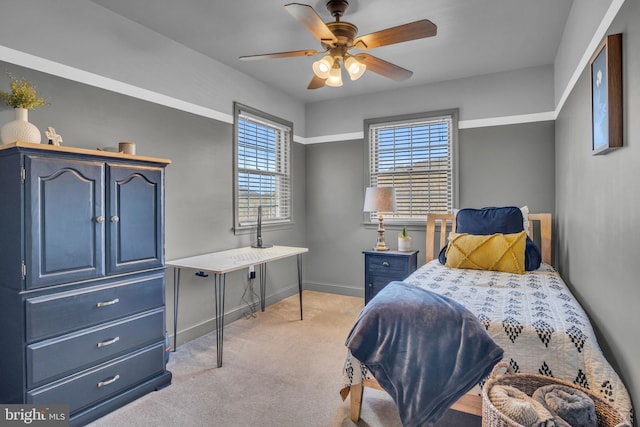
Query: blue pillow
{"type": "Point", "coordinates": [532, 257]}
{"type": "Point", "coordinates": [485, 221]}
{"type": "Point", "coordinates": [506, 220]}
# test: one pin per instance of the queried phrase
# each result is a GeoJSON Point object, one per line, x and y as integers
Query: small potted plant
{"type": "Point", "coordinates": [404, 240]}
{"type": "Point", "coordinates": [22, 98]}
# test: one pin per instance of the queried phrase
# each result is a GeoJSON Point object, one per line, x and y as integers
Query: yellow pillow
{"type": "Point", "coordinates": [498, 252]}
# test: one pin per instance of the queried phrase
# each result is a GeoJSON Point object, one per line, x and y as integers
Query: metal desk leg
{"type": "Point", "coordinates": [300, 282]}
{"type": "Point", "coordinates": [176, 292]}
{"type": "Point", "coordinates": [263, 285]}
{"type": "Point", "coordinates": [219, 282]}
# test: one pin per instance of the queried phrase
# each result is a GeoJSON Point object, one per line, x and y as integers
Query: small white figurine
{"type": "Point", "coordinates": [53, 137]}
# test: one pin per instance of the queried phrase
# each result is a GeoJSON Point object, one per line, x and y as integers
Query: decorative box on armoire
{"type": "Point", "coordinates": [82, 278]}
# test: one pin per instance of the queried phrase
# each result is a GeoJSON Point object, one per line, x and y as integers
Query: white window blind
{"type": "Point", "coordinates": [416, 157]}
{"type": "Point", "coordinates": [262, 169]}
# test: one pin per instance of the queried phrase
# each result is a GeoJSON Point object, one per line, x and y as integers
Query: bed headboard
{"type": "Point", "coordinates": [539, 229]}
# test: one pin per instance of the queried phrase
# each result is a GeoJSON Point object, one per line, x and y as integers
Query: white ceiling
{"type": "Point", "coordinates": [475, 37]}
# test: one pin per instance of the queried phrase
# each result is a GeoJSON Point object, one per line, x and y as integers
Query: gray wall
{"type": "Point", "coordinates": [526, 91]}
{"type": "Point", "coordinates": [85, 42]}
{"type": "Point", "coordinates": [585, 19]}
{"type": "Point", "coordinates": [198, 184]}
{"type": "Point", "coordinates": [598, 210]}
{"type": "Point", "coordinates": [502, 165]}
{"type": "Point", "coordinates": [82, 41]}
{"type": "Point", "coordinates": [508, 165]}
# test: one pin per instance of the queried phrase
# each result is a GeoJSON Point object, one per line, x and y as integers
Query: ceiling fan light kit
{"type": "Point", "coordinates": [322, 67]}
{"type": "Point", "coordinates": [335, 76]}
{"type": "Point", "coordinates": [338, 37]}
{"type": "Point", "coordinates": [354, 67]}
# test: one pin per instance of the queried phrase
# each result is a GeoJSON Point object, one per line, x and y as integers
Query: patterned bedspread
{"type": "Point", "coordinates": [533, 317]}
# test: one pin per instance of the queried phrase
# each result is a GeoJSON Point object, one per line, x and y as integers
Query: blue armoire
{"type": "Point", "coordinates": [82, 278]}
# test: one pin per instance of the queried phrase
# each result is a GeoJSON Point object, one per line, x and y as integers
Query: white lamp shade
{"type": "Point", "coordinates": [322, 67]}
{"type": "Point", "coordinates": [380, 199]}
{"type": "Point", "coordinates": [335, 76]}
{"type": "Point", "coordinates": [354, 67]}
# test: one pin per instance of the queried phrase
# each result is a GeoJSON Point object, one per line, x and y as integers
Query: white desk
{"type": "Point", "coordinates": [219, 264]}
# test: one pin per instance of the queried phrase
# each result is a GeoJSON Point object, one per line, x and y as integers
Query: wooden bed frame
{"type": "Point", "coordinates": [541, 234]}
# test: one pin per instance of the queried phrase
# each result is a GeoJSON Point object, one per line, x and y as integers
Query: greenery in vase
{"type": "Point", "coordinates": [404, 233]}
{"type": "Point", "coordinates": [23, 94]}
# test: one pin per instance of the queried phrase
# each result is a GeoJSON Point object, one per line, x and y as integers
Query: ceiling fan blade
{"type": "Point", "coordinates": [316, 82]}
{"type": "Point", "coordinates": [401, 33]}
{"type": "Point", "coordinates": [384, 68]}
{"type": "Point", "coordinates": [289, 54]}
{"type": "Point", "coordinates": [311, 21]}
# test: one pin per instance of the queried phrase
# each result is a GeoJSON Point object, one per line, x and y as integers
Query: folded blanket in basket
{"type": "Point", "coordinates": [520, 407]}
{"type": "Point", "coordinates": [571, 407]}
{"type": "Point", "coordinates": [425, 350]}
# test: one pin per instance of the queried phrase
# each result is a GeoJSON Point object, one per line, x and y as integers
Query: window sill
{"type": "Point", "coordinates": [248, 229]}
{"type": "Point", "coordinates": [418, 225]}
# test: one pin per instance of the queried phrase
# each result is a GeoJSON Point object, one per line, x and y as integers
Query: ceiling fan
{"type": "Point", "coordinates": [339, 37]}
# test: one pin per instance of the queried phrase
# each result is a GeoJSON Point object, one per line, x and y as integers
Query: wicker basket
{"type": "Point", "coordinates": [529, 383]}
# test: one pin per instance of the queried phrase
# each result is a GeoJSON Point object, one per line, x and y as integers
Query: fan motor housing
{"type": "Point", "coordinates": [345, 32]}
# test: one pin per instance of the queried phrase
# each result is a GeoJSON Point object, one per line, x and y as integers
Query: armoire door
{"type": "Point", "coordinates": [64, 220]}
{"type": "Point", "coordinates": [135, 225]}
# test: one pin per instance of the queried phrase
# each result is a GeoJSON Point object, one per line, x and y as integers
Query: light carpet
{"type": "Point", "coordinates": [277, 371]}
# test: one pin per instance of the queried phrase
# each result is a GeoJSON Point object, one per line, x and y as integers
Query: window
{"type": "Point", "coordinates": [415, 154]}
{"type": "Point", "coordinates": [262, 174]}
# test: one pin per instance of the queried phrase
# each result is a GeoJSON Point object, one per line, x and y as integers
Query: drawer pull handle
{"type": "Point", "coordinates": [100, 219]}
{"type": "Point", "coordinates": [108, 342]}
{"type": "Point", "coordinates": [109, 381]}
{"type": "Point", "coordinates": [115, 218]}
{"type": "Point", "coordinates": [386, 263]}
{"type": "Point", "coordinates": [107, 303]}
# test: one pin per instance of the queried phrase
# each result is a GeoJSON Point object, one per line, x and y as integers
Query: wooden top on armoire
{"type": "Point", "coordinates": [65, 149]}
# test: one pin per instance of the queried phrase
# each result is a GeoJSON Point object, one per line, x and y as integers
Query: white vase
{"type": "Point", "coordinates": [404, 244]}
{"type": "Point", "coordinates": [20, 129]}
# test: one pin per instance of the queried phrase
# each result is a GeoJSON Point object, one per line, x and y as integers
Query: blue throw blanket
{"type": "Point", "coordinates": [425, 350]}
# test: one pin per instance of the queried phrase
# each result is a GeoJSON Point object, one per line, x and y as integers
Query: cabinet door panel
{"type": "Point", "coordinates": [136, 238]}
{"type": "Point", "coordinates": [65, 234]}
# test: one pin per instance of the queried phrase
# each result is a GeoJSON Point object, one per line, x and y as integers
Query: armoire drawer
{"type": "Point", "coordinates": [87, 387]}
{"type": "Point", "coordinates": [64, 312]}
{"type": "Point", "coordinates": [60, 356]}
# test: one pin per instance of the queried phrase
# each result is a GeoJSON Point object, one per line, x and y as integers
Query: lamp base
{"type": "Point", "coordinates": [381, 248]}
{"type": "Point", "coordinates": [380, 244]}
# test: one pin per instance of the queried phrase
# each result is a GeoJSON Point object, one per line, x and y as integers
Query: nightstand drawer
{"type": "Point", "coordinates": [387, 266]}
{"type": "Point", "coordinates": [85, 388]}
{"type": "Point", "coordinates": [54, 358]}
{"type": "Point", "coordinates": [72, 310]}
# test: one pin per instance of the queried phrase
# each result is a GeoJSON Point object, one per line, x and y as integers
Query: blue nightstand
{"type": "Point", "coordinates": [380, 268]}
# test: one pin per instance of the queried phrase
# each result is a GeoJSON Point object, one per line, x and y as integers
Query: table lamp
{"type": "Point", "coordinates": [380, 199]}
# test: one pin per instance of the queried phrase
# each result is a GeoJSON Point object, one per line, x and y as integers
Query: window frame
{"type": "Point", "coordinates": [287, 128]}
{"type": "Point", "coordinates": [371, 218]}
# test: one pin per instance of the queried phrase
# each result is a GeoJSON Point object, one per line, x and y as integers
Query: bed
{"type": "Point", "coordinates": [532, 316]}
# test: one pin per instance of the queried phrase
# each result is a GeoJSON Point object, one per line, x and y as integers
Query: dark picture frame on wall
{"type": "Point", "coordinates": [606, 95]}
